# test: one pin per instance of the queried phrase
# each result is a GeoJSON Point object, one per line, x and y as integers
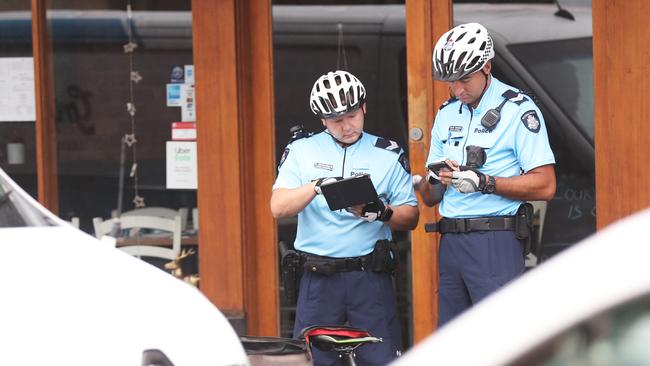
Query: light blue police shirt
{"type": "Point", "coordinates": [517, 144]}
{"type": "Point", "coordinates": [339, 233]}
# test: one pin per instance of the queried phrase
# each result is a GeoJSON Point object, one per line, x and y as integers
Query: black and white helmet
{"type": "Point", "coordinates": [336, 93]}
{"type": "Point", "coordinates": [462, 51]}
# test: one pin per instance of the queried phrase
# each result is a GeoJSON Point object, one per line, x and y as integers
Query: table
{"type": "Point", "coordinates": [163, 240]}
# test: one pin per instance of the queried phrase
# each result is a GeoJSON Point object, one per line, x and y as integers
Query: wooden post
{"type": "Point", "coordinates": [426, 20]}
{"type": "Point", "coordinates": [45, 125]}
{"type": "Point", "coordinates": [621, 108]}
{"type": "Point", "coordinates": [235, 139]}
{"type": "Point", "coordinates": [255, 40]}
{"type": "Point", "coordinates": [219, 155]}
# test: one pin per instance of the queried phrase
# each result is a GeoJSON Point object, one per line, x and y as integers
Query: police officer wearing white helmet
{"type": "Point", "coordinates": [489, 154]}
{"type": "Point", "coordinates": [346, 253]}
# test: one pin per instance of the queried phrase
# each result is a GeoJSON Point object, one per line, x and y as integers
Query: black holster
{"type": "Point", "coordinates": [524, 226]}
{"type": "Point", "coordinates": [384, 257]}
{"type": "Point", "coordinates": [291, 272]}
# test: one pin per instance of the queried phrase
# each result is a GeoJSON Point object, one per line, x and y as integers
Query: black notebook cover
{"type": "Point", "coordinates": [349, 192]}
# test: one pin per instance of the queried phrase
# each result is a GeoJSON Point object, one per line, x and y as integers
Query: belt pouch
{"type": "Point", "coordinates": [323, 266]}
{"type": "Point", "coordinates": [524, 226]}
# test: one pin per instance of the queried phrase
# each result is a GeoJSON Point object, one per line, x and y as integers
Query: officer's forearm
{"type": "Point", "coordinates": [288, 202]}
{"type": "Point", "coordinates": [431, 194]}
{"type": "Point", "coordinates": [536, 185]}
{"type": "Point", "coordinates": [404, 217]}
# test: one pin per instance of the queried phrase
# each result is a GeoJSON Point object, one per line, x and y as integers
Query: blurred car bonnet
{"type": "Point", "coordinates": [69, 299]}
{"type": "Point", "coordinates": [589, 305]}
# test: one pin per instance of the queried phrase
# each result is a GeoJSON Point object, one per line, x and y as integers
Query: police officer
{"type": "Point", "coordinates": [493, 142]}
{"type": "Point", "coordinates": [345, 239]}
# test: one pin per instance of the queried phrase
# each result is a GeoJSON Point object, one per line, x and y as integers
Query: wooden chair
{"type": "Point", "coordinates": [74, 221]}
{"type": "Point", "coordinates": [172, 225]}
{"type": "Point", "coordinates": [160, 212]}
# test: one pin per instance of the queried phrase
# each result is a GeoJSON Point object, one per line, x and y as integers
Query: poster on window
{"type": "Point", "coordinates": [181, 165]}
{"type": "Point", "coordinates": [17, 89]}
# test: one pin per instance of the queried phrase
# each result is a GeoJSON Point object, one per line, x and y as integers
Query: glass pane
{"type": "Point", "coordinates": [17, 114]}
{"type": "Point", "coordinates": [373, 49]}
{"type": "Point", "coordinates": [565, 70]}
{"type": "Point", "coordinates": [94, 83]}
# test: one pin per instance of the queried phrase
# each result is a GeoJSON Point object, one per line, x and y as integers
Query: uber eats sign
{"type": "Point", "coordinates": [181, 165]}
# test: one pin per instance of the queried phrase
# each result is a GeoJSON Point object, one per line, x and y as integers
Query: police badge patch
{"type": "Point", "coordinates": [405, 162]}
{"type": "Point", "coordinates": [531, 121]}
{"type": "Point", "coordinates": [284, 157]}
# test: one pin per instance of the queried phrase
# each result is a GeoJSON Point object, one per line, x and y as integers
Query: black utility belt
{"type": "Point", "coordinates": [330, 265]}
{"type": "Point", "coordinates": [458, 226]}
{"type": "Point", "coordinates": [383, 258]}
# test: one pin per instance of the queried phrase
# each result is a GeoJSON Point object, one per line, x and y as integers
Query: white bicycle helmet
{"type": "Point", "coordinates": [336, 93]}
{"type": "Point", "coordinates": [461, 51]}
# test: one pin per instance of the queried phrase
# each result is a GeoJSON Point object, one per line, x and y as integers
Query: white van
{"type": "Point", "coordinates": [537, 51]}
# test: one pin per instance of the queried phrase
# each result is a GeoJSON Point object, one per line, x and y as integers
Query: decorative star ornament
{"type": "Point", "coordinates": [138, 201]}
{"type": "Point", "coordinates": [135, 76]}
{"type": "Point", "coordinates": [129, 139]}
{"type": "Point", "coordinates": [130, 47]}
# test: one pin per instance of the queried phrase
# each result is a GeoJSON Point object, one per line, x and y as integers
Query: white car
{"type": "Point", "coordinates": [589, 305]}
{"type": "Point", "coordinates": [70, 299]}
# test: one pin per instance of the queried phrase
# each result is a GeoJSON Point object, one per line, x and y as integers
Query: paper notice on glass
{"type": "Point", "coordinates": [174, 95]}
{"type": "Point", "coordinates": [17, 101]}
{"type": "Point", "coordinates": [181, 165]}
{"type": "Point", "coordinates": [188, 105]}
{"type": "Point", "coordinates": [189, 74]}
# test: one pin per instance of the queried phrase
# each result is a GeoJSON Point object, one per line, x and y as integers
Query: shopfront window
{"type": "Point", "coordinates": [17, 111]}
{"type": "Point", "coordinates": [371, 45]}
{"type": "Point", "coordinates": [96, 76]}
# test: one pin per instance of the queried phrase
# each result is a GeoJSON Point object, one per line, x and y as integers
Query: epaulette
{"type": "Point", "coordinates": [387, 144]}
{"type": "Point", "coordinates": [514, 96]}
{"type": "Point", "coordinates": [530, 95]}
{"type": "Point", "coordinates": [447, 102]}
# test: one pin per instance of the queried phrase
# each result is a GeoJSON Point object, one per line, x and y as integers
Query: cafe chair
{"type": "Point", "coordinates": [74, 221]}
{"type": "Point", "coordinates": [160, 212]}
{"type": "Point", "coordinates": [136, 227]}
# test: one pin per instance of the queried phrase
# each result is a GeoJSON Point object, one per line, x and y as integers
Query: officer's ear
{"type": "Point", "coordinates": [363, 108]}
{"type": "Point", "coordinates": [487, 68]}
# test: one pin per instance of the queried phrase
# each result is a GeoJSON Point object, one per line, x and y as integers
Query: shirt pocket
{"type": "Point", "coordinates": [452, 147]}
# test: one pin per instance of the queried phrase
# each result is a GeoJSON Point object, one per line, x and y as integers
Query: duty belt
{"type": "Point", "coordinates": [315, 263]}
{"type": "Point", "coordinates": [456, 226]}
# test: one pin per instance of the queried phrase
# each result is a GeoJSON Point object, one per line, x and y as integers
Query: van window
{"type": "Point", "coordinates": [565, 70]}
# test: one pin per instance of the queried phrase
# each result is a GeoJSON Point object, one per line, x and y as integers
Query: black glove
{"type": "Point", "coordinates": [376, 210]}
{"type": "Point", "coordinates": [323, 181]}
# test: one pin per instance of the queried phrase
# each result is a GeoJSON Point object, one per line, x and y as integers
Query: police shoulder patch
{"type": "Point", "coordinates": [531, 121]}
{"type": "Point", "coordinates": [387, 144]}
{"type": "Point", "coordinates": [404, 161]}
{"type": "Point", "coordinates": [284, 156]}
{"type": "Point", "coordinates": [447, 102]}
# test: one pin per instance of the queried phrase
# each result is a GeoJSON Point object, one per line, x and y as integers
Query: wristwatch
{"type": "Point", "coordinates": [490, 186]}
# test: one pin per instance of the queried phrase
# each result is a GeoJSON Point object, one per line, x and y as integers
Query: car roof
{"type": "Point", "coordinates": [515, 23]}
{"type": "Point", "coordinates": [601, 272]}
{"type": "Point", "coordinates": [526, 23]}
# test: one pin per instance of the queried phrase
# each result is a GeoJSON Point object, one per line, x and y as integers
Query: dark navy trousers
{"type": "Point", "coordinates": [472, 266]}
{"type": "Point", "coordinates": [363, 299]}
